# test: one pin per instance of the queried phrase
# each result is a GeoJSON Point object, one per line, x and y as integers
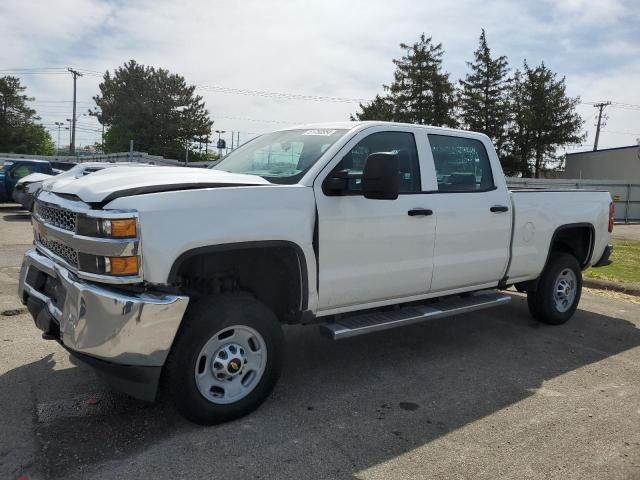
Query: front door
{"type": "Point", "coordinates": [373, 250]}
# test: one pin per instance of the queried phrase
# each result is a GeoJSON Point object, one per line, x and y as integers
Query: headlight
{"type": "Point", "coordinates": [121, 265]}
{"type": "Point", "coordinates": [106, 227]}
{"type": "Point", "coordinates": [112, 231]}
{"type": "Point", "coordinates": [116, 266]}
{"type": "Point", "coordinates": [120, 228]}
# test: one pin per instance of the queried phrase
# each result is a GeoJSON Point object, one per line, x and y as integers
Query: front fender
{"type": "Point", "coordinates": [173, 223]}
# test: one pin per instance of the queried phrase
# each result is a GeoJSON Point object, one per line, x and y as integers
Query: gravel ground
{"type": "Point", "coordinates": [487, 395]}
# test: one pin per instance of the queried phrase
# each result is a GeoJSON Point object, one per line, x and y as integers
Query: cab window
{"type": "Point", "coordinates": [401, 143]}
{"type": "Point", "coordinates": [462, 164]}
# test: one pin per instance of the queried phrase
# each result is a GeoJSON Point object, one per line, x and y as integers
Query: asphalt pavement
{"type": "Point", "coordinates": [492, 394]}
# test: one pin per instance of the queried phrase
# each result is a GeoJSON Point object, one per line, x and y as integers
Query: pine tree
{"type": "Point", "coordinates": [420, 92]}
{"type": "Point", "coordinates": [518, 148]}
{"type": "Point", "coordinates": [379, 108]}
{"type": "Point", "coordinates": [483, 99]}
{"type": "Point", "coordinates": [543, 118]}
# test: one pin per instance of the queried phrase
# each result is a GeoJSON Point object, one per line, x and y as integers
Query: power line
{"type": "Point", "coordinates": [280, 95]}
{"type": "Point", "coordinates": [619, 132]}
{"type": "Point", "coordinates": [622, 105]}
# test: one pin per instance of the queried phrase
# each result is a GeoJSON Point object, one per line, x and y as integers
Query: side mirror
{"type": "Point", "coordinates": [336, 183]}
{"type": "Point", "coordinates": [381, 176]}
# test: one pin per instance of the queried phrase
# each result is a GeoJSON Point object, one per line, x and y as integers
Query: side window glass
{"type": "Point", "coordinates": [401, 143]}
{"type": "Point", "coordinates": [22, 171]}
{"type": "Point", "coordinates": [462, 164]}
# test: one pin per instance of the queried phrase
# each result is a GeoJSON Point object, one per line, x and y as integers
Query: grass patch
{"type": "Point", "coordinates": [625, 267]}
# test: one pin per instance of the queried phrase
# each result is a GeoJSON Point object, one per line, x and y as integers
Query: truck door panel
{"type": "Point", "coordinates": [372, 250]}
{"type": "Point", "coordinates": [473, 215]}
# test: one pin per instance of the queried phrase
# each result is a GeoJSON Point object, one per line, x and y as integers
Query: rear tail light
{"type": "Point", "coordinates": [612, 211]}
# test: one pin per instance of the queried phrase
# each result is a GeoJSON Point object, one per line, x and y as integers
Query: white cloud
{"type": "Point", "coordinates": [329, 48]}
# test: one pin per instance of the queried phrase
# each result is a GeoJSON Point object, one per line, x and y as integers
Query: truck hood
{"type": "Point", "coordinates": [35, 177]}
{"type": "Point", "coordinates": [112, 183]}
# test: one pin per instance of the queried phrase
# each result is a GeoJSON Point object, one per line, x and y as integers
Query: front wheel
{"type": "Point", "coordinates": [226, 359]}
{"type": "Point", "coordinates": [558, 292]}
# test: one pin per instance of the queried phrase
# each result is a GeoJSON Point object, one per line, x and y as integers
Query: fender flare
{"type": "Point", "coordinates": [225, 247]}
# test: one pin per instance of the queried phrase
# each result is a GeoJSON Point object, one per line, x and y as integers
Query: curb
{"type": "Point", "coordinates": [609, 285]}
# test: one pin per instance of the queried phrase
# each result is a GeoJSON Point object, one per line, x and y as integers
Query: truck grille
{"type": "Point", "coordinates": [58, 217]}
{"type": "Point", "coordinates": [61, 250]}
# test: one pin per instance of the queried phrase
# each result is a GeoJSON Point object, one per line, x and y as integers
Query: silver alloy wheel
{"type": "Point", "coordinates": [564, 291]}
{"type": "Point", "coordinates": [231, 364]}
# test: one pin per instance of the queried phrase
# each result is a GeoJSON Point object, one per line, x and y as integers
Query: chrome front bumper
{"type": "Point", "coordinates": [104, 323]}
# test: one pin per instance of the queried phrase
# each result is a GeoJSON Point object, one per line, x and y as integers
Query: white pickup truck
{"type": "Point", "coordinates": [185, 276]}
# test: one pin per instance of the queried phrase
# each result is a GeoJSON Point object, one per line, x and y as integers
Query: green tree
{"type": "Point", "coordinates": [19, 130]}
{"type": "Point", "coordinates": [420, 92]}
{"type": "Point", "coordinates": [484, 95]}
{"type": "Point", "coordinates": [543, 119]}
{"type": "Point", "coordinates": [153, 107]}
{"type": "Point", "coordinates": [380, 108]}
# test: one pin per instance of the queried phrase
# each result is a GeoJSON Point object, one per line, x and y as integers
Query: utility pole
{"type": "Point", "coordinates": [59, 125]}
{"type": "Point", "coordinates": [600, 106]}
{"type": "Point", "coordinates": [69, 128]}
{"type": "Point", "coordinates": [220, 132]}
{"type": "Point", "coordinates": [72, 147]}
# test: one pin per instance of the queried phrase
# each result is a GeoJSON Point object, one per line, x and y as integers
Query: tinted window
{"type": "Point", "coordinates": [401, 143]}
{"type": "Point", "coordinates": [22, 171]}
{"type": "Point", "coordinates": [462, 164]}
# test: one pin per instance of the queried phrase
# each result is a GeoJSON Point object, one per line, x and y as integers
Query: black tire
{"type": "Point", "coordinates": [520, 288]}
{"type": "Point", "coordinates": [202, 321]}
{"type": "Point", "coordinates": [542, 304]}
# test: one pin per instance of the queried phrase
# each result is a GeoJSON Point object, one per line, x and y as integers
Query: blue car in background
{"type": "Point", "coordinates": [12, 170]}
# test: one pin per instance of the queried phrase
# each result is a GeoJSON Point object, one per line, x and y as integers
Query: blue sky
{"type": "Point", "coordinates": [329, 48]}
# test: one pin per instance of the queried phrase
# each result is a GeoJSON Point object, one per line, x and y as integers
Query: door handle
{"type": "Point", "coordinates": [420, 212]}
{"type": "Point", "coordinates": [499, 208]}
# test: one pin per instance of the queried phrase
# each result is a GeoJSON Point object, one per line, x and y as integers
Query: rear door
{"type": "Point", "coordinates": [473, 212]}
{"type": "Point", "coordinates": [374, 250]}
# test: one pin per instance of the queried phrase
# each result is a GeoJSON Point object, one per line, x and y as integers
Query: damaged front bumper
{"type": "Point", "coordinates": [125, 336]}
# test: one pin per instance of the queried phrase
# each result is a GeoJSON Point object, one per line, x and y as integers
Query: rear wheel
{"type": "Point", "coordinates": [225, 360]}
{"type": "Point", "coordinates": [558, 292]}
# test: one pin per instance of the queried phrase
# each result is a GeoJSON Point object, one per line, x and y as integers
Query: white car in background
{"type": "Point", "coordinates": [28, 187]}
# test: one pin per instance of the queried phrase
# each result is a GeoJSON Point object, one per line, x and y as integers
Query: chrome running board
{"type": "Point", "coordinates": [360, 324]}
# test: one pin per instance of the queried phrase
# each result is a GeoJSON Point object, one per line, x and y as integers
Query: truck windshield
{"type": "Point", "coordinates": [281, 157]}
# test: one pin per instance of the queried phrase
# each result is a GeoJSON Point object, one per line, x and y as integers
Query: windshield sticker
{"type": "Point", "coordinates": [320, 132]}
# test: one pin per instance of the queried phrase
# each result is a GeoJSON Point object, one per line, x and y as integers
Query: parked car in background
{"type": "Point", "coordinates": [28, 187]}
{"type": "Point", "coordinates": [12, 170]}
{"type": "Point", "coordinates": [63, 166]}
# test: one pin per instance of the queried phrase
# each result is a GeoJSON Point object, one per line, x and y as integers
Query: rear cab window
{"type": "Point", "coordinates": [462, 164]}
